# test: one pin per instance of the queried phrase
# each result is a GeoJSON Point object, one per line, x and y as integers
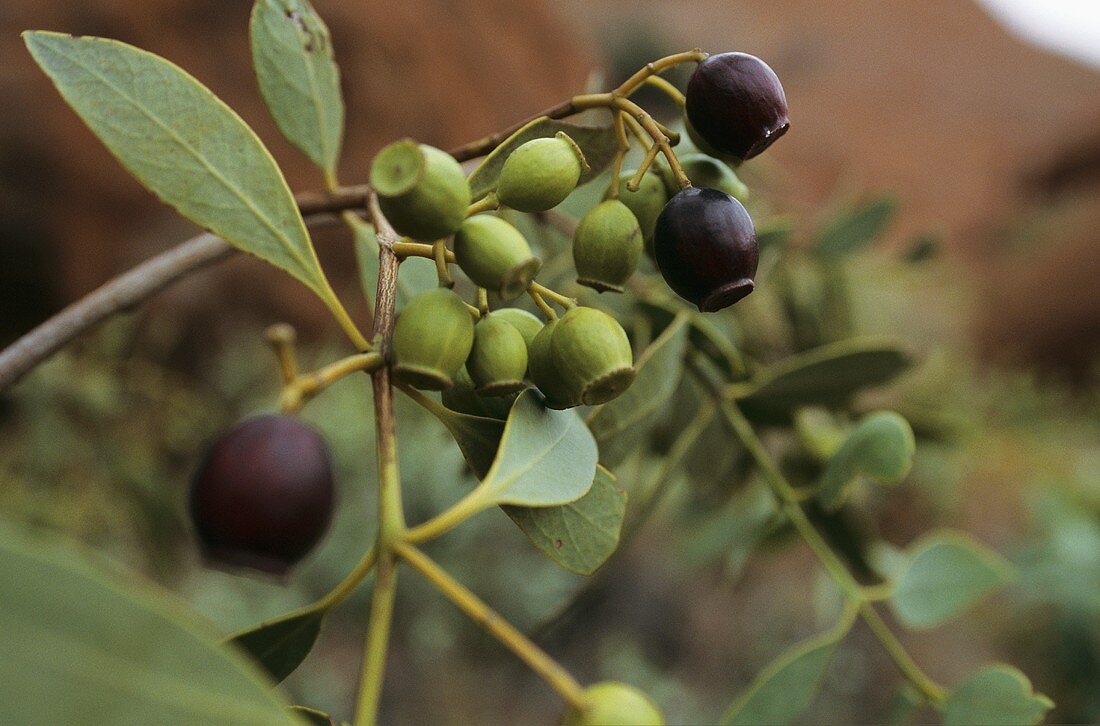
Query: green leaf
{"type": "Point", "coordinates": [299, 79]}
{"type": "Point", "coordinates": [621, 425]}
{"type": "Point", "coordinates": [704, 336]}
{"type": "Point", "coordinates": [879, 448]}
{"type": "Point", "coordinates": [597, 142]}
{"type": "Point", "coordinates": [997, 695]}
{"type": "Point", "coordinates": [545, 458]}
{"type": "Point", "coordinates": [581, 535]}
{"type": "Point", "coordinates": [313, 716]}
{"type": "Point", "coordinates": [826, 376]}
{"type": "Point", "coordinates": [417, 274]}
{"type": "Point", "coordinates": [81, 643]}
{"type": "Point", "coordinates": [946, 572]}
{"type": "Point", "coordinates": [185, 145]}
{"type": "Point", "coordinates": [478, 438]}
{"type": "Point", "coordinates": [281, 644]}
{"type": "Point", "coordinates": [851, 231]}
{"type": "Point", "coordinates": [785, 688]}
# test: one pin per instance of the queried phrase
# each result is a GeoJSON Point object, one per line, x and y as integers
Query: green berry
{"type": "Point", "coordinates": [592, 355]}
{"type": "Point", "coordinates": [462, 398]}
{"type": "Point", "coordinates": [710, 173]}
{"type": "Point", "coordinates": [431, 340]}
{"type": "Point", "coordinates": [541, 173]}
{"type": "Point", "coordinates": [498, 359]}
{"type": "Point", "coordinates": [421, 190]}
{"type": "Point", "coordinates": [647, 202]}
{"type": "Point", "coordinates": [614, 704]}
{"type": "Point", "coordinates": [544, 372]}
{"type": "Point", "coordinates": [607, 246]}
{"type": "Point", "coordinates": [527, 324]}
{"type": "Point", "coordinates": [495, 255]}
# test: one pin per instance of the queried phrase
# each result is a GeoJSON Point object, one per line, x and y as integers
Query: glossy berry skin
{"type": "Point", "coordinates": [263, 495]}
{"type": "Point", "coordinates": [736, 103]}
{"type": "Point", "coordinates": [705, 247]}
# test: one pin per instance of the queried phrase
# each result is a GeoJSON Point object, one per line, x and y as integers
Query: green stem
{"type": "Point", "coordinates": [537, 659]}
{"type": "Point", "coordinates": [349, 583]}
{"type": "Point", "coordinates": [468, 506]}
{"type": "Point", "coordinates": [789, 502]}
{"type": "Point", "coordinates": [377, 645]}
{"type": "Point", "coordinates": [486, 204]}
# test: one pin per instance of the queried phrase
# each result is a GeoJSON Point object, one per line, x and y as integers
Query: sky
{"type": "Point", "coordinates": [1071, 27]}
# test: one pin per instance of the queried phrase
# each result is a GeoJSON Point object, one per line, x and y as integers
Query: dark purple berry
{"type": "Point", "coordinates": [263, 496]}
{"type": "Point", "coordinates": [736, 104]}
{"type": "Point", "coordinates": [705, 246]}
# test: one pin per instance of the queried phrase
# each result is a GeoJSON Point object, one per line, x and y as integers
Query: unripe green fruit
{"type": "Point", "coordinates": [614, 704]}
{"type": "Point", "coordinates": [592, 355]}
{"type": "Point", "coordinates": [647, 202]}
{"type": "Point", "coordinates": [421, 190]}
{"type": "Point", "coordinates": [710, 173]}
{"type": "Point", "coordinates": [431, 340]}
{"type": "Point", "coordinates": [498, 359]}
{"type": "Point", "coordinates": [541, 173]}
{"type": "Point", "coordinates": [544, 372]}
{"type": "Point", "coordinates": [495, 255]}
{"type": "Point", "coordinates": [607, 246]}
{"type": "Point", "coordinates": [462, 397]}
{"type": "Point", "coordinates": [527, 324]}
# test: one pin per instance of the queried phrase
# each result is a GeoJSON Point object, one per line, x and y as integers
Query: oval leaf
{"type": "Point", "coordinates": [546, 457]}
{"type": "Point", "coordinates": [998, 695]}
{"type": "Point", "coordinates": [785, 688]}
{"type": "Point", "coordinates": [853, 230]}
{"type": "Point", "coordinates": [598, 143]}
{"type": "Point", "coordinates": [946, 572]}
{"type": "Point", "coordinates": [879, 448]}
{"type": "Point", "coordinates": [299, 79]}
{"type": "Point", "coordinates": [185, 145]}
{"type": "Point", "coordinates": [478, 437]}
{"type": "Point", "coordinates": [82, 645]}
{"type": "Point", "coordinates": [826, 376]}
{"type": "Point", "coordinates": [581, 535]}
{"type": "Point", "coordinates": [281, 644]}
{"type": "Point", "coordinates": [705, 336]}
{"type": "Point", "coordinates": [621, 425]}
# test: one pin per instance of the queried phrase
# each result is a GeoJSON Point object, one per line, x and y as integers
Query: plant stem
{"type": "Point", "coordinates": [556, 297]}
{"type": "Point", "coordinates": [546, 667]}
{"type": "Point", "coordinates": [660, 138]}
{"type": "Point", "coordinates": [442, 270]}
{"type": "Point", "coordinates": [658, 66]}
{"type": "Point", "coordinates": [349, 583]}
{"type": "Point", "coordinates": [668, 89]}
{"type": "Point", "coordinates": [486, 204]}
{"type": "Point", "coordinates": [281, 337]}
{"type": "Point", "coordinates": [304, 387]}
{"type": "Point", "coordinates": [391, 518]}
{"type": "Point", "coordinates": [788, 500]}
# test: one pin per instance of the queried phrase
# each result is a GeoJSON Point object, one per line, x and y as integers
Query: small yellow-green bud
{"type": "Point", "coordinates": [607, 246]}
{"type": "Point", "coordinates": [592, 355]}
{"type": "Point", "coordinates": [498, 359]}
{"type": "Point", "coordinates": [495, 255]}
{"type": "Point", "coordinates": [431, 340]}
{"type": "Point", "coordinates": [421, 190]}
{"type": "Point", "coordinates": [541, 173]}
{"type": "Point", "coordinates": [614, 704]}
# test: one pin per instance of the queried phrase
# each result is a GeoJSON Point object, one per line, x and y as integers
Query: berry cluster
{"type": "Point", "coordinates": [263, 496]}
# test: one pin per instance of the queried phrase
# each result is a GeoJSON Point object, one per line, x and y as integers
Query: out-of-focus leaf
{"type": "Point", "coordinates": [784, 689]}
{"type": "Point", "coordinates": [879, 448]}
{"type": "Point", "coordinates": [598, 143]}
{"type": "Point", "coordinates": [477, 437]}
{"type": "Point", "coordinates": [313, 716]}
{"type": "Point", "coordinates": [281, 644]}
{"type": "Point", "coordinates": [299, 79]}
{"type": "Point", "coordinates": [826, 376]}
{"type": "Point", "coordinates": [851, 231]}
{"type": "Point", "coordinates": [81, 644]}
{"type": "Point", "coordinates": [621, 425]}
{"type": "Point", "coordinates": [946, 573]}
{"type": "Point", "coordinates": [185, 145]}
{"type": "Point", "coordinates": [997, 695]}
{"type": "Point", "coordinates": [580, 535]}
{"type": "Point", "coordinates": [704, 336]}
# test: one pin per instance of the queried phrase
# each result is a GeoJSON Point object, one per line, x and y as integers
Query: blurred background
{"type": "Point", "coordinates": [975, 124]}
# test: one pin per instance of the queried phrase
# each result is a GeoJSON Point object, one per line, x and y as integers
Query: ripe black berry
{"type": "Point", "coordinates": [705, 246]}
{"type": "Point", "coordinates": [263, 496]}
{"type": "Point", "coordinates": [736, 104]}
